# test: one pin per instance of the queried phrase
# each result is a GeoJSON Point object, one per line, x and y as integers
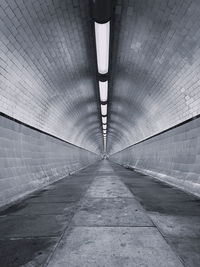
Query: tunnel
{"type": "Point", "coordinates": [99, 133]}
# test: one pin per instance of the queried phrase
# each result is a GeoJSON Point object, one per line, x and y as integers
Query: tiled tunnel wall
{"type": "Point", "coordinates": [47, 68]}
{"type": "Point", "coordinates": [30, 159]}
{"type": "Point", "coordinates": [156, 66]}
{"type": "Point", "coordinates": [173, 156]}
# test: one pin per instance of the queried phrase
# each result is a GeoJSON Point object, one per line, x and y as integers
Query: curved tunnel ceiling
{"type": "Point", "coordinates": [48, 69]}
{"type": "Point", "coordinates": [156, 68]}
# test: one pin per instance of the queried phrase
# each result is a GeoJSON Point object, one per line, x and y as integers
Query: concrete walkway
{"type": "Point", "coordinates": [103, 216]}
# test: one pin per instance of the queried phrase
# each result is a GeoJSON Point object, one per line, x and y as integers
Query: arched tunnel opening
{"type": "Point", "coordinates": [99, 133]}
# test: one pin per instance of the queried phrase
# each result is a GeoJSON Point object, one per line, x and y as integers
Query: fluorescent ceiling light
{"type": "Point", "coordinates": [103, 91]}
{"type": "Point", "coordinates": [104, 145]}
{"type": "Point", "coordinates": [104, 127]}
{"type": "Point", "coordinates": [102, 36]}
{"type": "Point", "coordinates": [104, 119]}
{"type": "Point", "coordinates": [104, 110]}
{"type": "Point", "coordinates": [104, 131]}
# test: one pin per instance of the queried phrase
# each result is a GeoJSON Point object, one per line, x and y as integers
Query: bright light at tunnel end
{"type": "Point", "coordinates": [102, 37]}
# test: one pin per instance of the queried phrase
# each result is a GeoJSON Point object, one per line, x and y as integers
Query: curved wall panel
{"type": "Point", "coordinates": [173, 156]}
{"type": "Point", "coordinates": [30, 160]}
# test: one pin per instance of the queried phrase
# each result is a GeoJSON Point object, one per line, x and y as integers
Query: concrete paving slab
{"type": "Point", "coordinates": [64, 193]}
{"type": "Point", "coordinates": [108, 187]}
{"type": "Point", "coordinates": [68, 186]}
{"type": "Point", "coordinates": [26, 208]}
{"type": "Point", "coordinates": [114, 246]}
{"type": "Point", "coordinates": [25, 252]}
{"type": "Point", "coordinates": [188, 249]}
{"type": "Point", "coordinates": [53, 198]}
{"type": "Point", "coordinates": [177, 226]}
{"type": "Point", "coordinates": [178, 208]}
{"type": "Point", "coordinates": [33, 226]}
{"type": "Point", "coordinates": [166, 202]}
{"type": "Point", "coordinates": [111, 212]}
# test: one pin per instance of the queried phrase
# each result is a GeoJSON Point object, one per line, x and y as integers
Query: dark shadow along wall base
{"type": "Point", "coordinates": [30, 159]}
{"type": "Point", "coordinates": [173, 156]}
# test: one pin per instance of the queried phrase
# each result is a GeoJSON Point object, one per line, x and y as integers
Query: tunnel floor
{"type": "Point", "coordinates": [105, 215]}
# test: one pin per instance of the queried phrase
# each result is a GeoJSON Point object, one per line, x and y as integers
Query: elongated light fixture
{"type": "Point", "coordinates": [104, 144]}
{"type": "Point", "coordinates": [103, 91]}
{"type": "Point", "coordinates": [102, 11]}
{"type": "Point", "coordinates": [102, 37]}
{"type": "Point", "coordinates": [104, 109]}
{"type": "Point", "coordinates": [104, 119]}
